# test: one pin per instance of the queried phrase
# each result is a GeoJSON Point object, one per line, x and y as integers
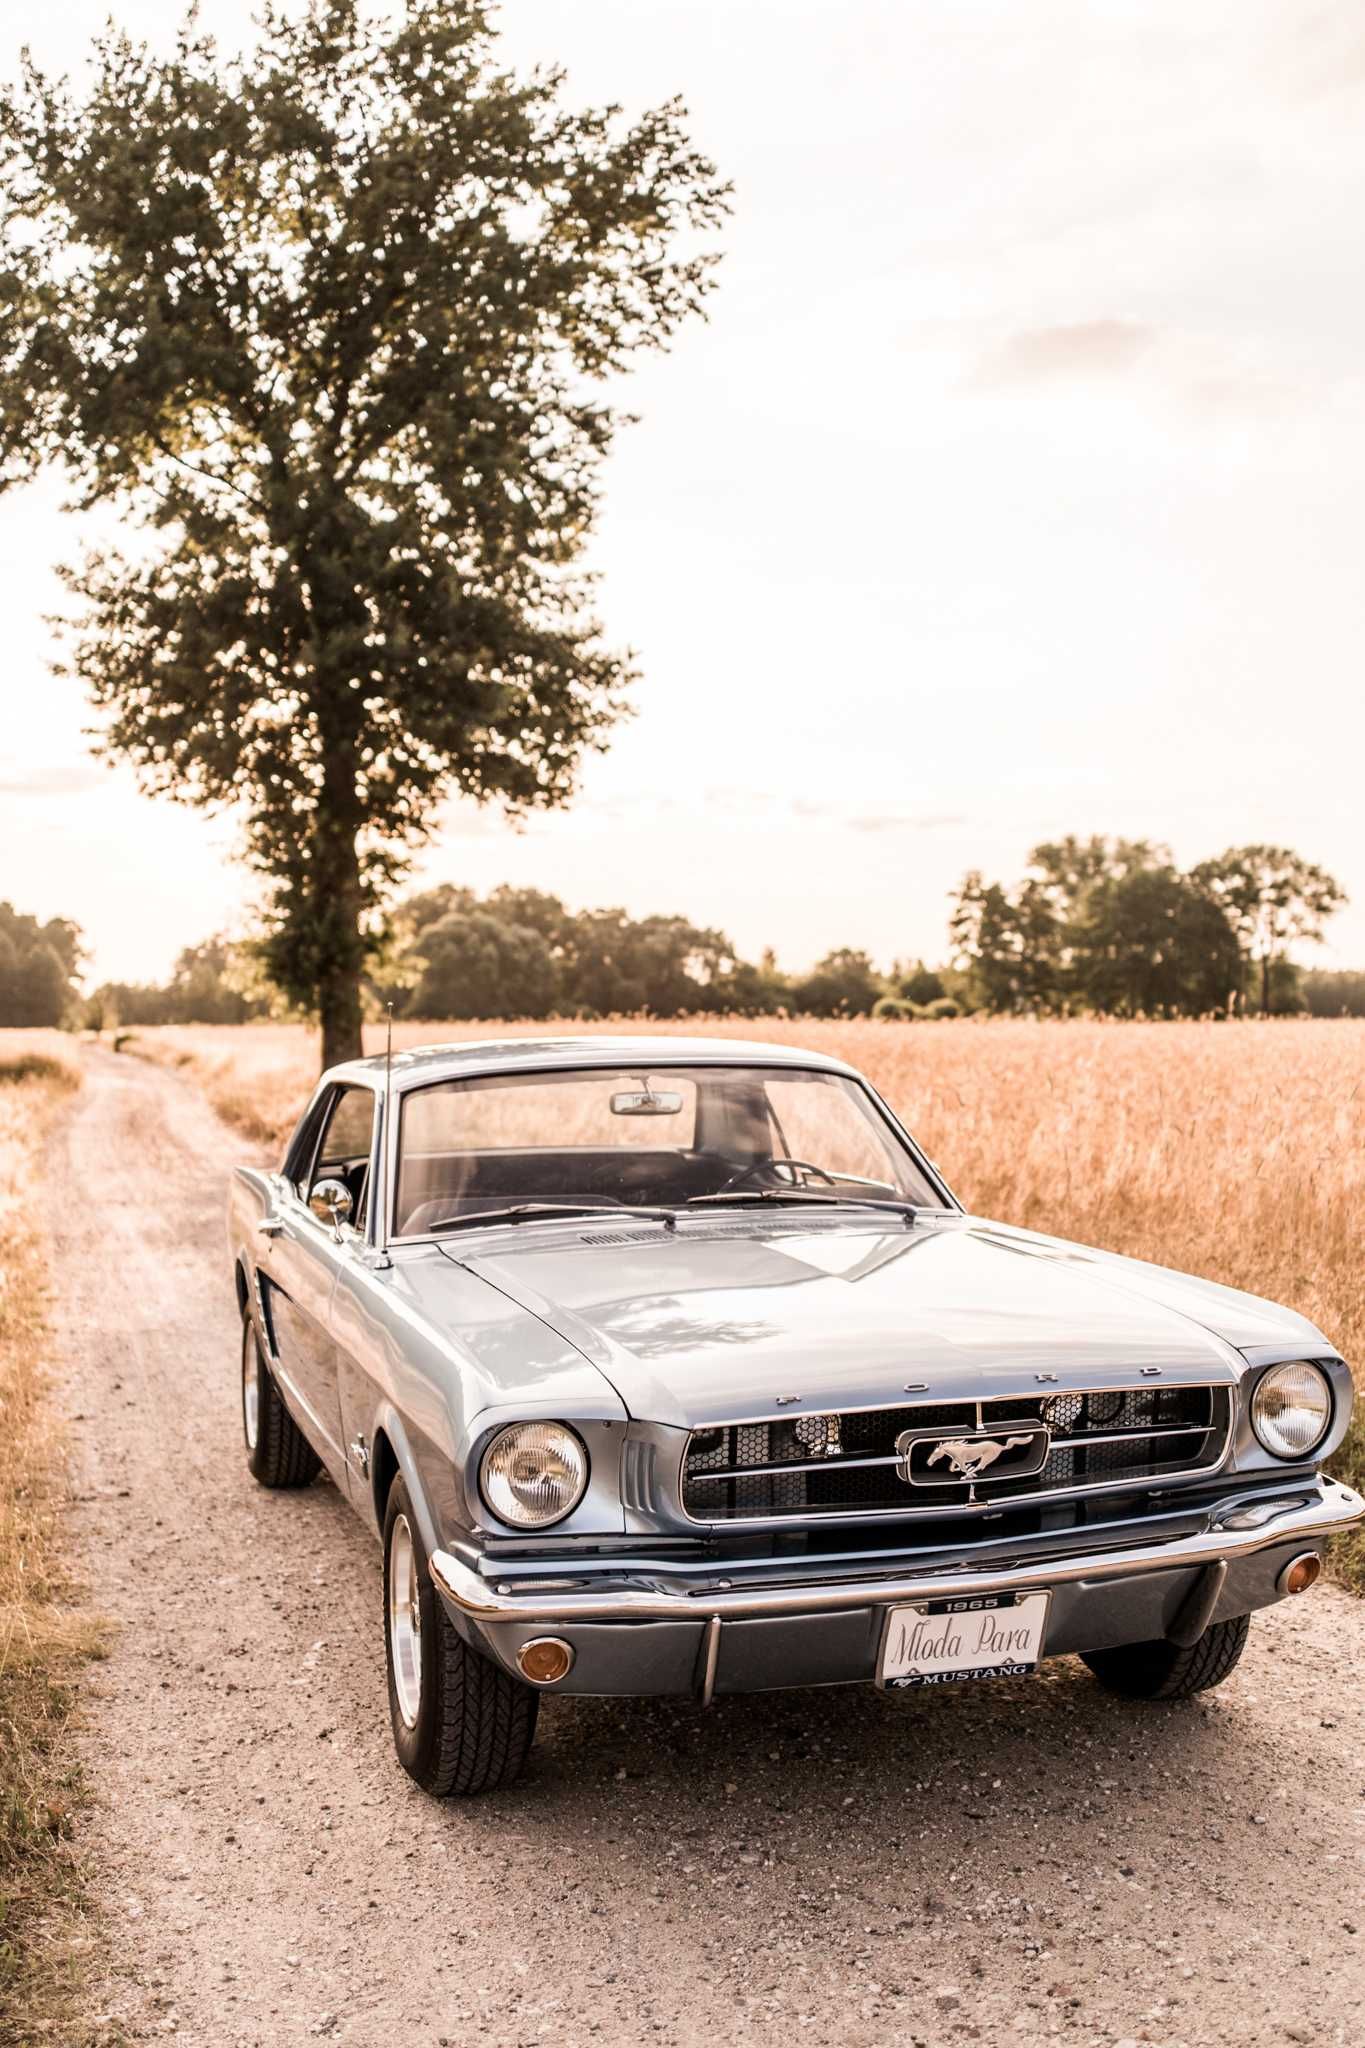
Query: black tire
{"type": "Point", "coordinates": [468, 1724]}
{"type": "Point", "coordinates": [1165, 1671]}
{"type": "Point", "coordinates": [280, 1455]}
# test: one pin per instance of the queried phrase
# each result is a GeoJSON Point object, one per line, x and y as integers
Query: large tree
{"type": "Point", "coordinates": [1151, 942]}
{"type": "Point", "coordinates": [477, 965]}
{"type": "Point", "coordinates": [330, 324]}
{"type": "Point", "coordinates": [1271, 897]}
{"type": "Point", "coordinates": [1012, 948]}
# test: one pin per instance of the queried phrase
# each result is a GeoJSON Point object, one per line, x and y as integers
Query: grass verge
{"type": "Point", "coordinates": [44, 1639]}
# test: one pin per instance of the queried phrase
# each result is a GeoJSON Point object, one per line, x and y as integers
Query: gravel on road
{"type": "Point", "coordinates": [1019, 1860]}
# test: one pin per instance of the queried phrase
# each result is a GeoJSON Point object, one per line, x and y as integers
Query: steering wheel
{"type": "Point", "coordinates": [794, 1166]}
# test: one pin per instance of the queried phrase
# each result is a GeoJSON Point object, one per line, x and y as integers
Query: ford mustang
{"type": "Point", "coordinates": [674, 1366]}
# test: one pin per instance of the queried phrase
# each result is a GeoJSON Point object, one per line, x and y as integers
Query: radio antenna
{"type": "Point", "coordinates": [388, 1191]}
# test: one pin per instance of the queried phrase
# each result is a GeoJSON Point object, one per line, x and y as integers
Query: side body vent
{"type": "Point", "coordinates": [637, 1477]}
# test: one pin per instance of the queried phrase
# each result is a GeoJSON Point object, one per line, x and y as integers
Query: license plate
{"type": "Point", "coordinates": [939, 1642]}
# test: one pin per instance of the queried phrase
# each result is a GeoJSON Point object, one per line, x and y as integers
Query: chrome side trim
{"type": "Point", "coordinates": [1335, 1508]}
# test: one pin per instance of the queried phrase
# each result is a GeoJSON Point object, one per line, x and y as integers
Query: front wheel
{"type": "Point", "coordinates": [1165, 1671]}
{"type": "Point", "coordinates": [460, 1723]}
{"type": "Point", "coordinates": [278, 1453]}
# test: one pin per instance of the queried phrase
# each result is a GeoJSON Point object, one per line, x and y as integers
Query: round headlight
{"type": "Point", "coordinates": [1291, 1410]}
{"type": "Point", "coordinates": [534, 1473]}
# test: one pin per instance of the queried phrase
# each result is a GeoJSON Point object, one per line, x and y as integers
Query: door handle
{"type": "Point", "coordinates": [270, 1226]}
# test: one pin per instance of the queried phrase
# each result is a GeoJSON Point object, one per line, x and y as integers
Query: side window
{"type": "Point", "coordinates": [303, 1145]}
{"type": "Point", "coordinates": [350, 1128]}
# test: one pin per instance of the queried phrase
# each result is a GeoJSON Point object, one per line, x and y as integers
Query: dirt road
{"type": "Point", "coordinates": [1023, 1859]}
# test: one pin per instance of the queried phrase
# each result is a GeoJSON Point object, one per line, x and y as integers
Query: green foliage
{"type": "Point", "coordinates": [328, 323]}
{"type": "Point", "coordinates": [216, 982]}
{"type": "Point", "coordinates": [478, 966]}
{"type": "Point", "coordinates": [1328, 992]}
{"type": "Point", "coordinates": [1271, 897]}
{"type": "Point", "coordinates": [522, 953]}
{"type": "Point", "coordinates": [896, 1009]}
{"type": "Point", "coordinates": [1151, 943]}
{"type": "Point", "coordinates": [1010, 947]}
{"type": "Point", "coordinates": [38, 966]}
{"type": "Point", "coordinates": [1113, 926]}
{"type": "Point", "coordinates": [843, 984]}
{"type": "Point", "coordinates": [919, 984]}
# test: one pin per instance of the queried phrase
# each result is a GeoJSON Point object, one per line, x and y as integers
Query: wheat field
{"type": "Point", "coordinates": [1236, 1151]}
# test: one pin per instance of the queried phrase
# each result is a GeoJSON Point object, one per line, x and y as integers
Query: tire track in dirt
{"type": "Point", "coordinates": [1019, 1860]}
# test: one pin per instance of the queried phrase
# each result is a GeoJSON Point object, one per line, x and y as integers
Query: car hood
{"type": "Point", "coordinates": [695, 1326]}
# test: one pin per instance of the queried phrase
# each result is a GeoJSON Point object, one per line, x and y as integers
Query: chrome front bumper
{"type": "Point", "coordinates": [1147, 1584]}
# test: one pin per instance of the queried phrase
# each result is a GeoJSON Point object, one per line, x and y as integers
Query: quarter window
{"type": "Point", "coordinates": [350, 1127]}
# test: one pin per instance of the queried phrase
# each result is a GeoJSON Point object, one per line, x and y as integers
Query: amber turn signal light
{"type": "Point", "coordinates": [1301, 1573]}
{"type": "Point", "coordinates": [545, 1660]}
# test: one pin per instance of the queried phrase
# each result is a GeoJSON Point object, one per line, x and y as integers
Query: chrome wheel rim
{"type": "Point", "coordinates": [405, 1622]}
{"type": "Point", "coordinates": [251, 1388]}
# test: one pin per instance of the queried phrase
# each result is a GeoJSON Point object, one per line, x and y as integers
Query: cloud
{"type": "Point", "coordinates": [59, 779]}
{"type": "Point", "coordinates": [1086, 348]}
{"type": "Point", "coordinates": [906, 821]}
{"type": "Point", "coordinates": [852, 816]}
{"type": "Point", "coordinates": [1204, 374]}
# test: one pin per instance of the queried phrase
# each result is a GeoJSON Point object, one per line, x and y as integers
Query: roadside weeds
{"type": "Point", "coordinates": [45, 1638]}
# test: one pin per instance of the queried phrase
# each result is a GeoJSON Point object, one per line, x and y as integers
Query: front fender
{"type": "Point", "coordinates": [394, 1456]}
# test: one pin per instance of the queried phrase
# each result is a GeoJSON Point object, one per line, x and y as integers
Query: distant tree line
{"type": "Point", "coordinates": [38, 968]}
{"type": "Point", "coordinates": [523, 953]}
{"type": "Point", "coordinates": [1326, 992]}
{"type": "Point", "coordinates": [1096, 926]}
{"type": "Point", "coordinates": [1113, 927]}
{"type": "Point", "coordinates": [220, 981]}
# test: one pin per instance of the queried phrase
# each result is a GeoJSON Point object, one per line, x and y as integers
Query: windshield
{"type": "Point", "coordinates": [644, 1138]}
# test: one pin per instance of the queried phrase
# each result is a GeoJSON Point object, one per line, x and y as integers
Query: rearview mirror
{"type": "Point", "coordinates": [645, 1102]}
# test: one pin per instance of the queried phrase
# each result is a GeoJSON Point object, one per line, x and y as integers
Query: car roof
{"type": "Point", "coordinates": [417, 1066]}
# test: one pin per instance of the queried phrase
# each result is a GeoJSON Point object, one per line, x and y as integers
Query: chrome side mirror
{"type": "Point", "coordinates": [330, 1202]}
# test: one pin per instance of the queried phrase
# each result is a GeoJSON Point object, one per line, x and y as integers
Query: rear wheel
{"type": "Point", "coordinates": [1165, 1671]}
{"type": "Point", "coordinates": [278, 1453]}
{"type": "Point", "coordinates": [460, 1723]}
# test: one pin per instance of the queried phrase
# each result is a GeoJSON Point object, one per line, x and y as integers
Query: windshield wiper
{"type": "Point", "coordinates": [528, 1212]}
{"type": "Point", "coordinates": [804, 1195]}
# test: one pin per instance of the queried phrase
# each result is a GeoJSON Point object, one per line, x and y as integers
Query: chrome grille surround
{"type": "Point", "coordinates": [844, 1465]}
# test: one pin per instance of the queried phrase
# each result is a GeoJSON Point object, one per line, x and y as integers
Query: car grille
{"type": "Point", "coordinates": [848, 1464]}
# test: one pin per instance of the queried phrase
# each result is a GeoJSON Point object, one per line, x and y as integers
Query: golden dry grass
{"type": "Point", "coordinates": [1234, 1151]}
{"type": "Point", "coordinates": [42, 1637]}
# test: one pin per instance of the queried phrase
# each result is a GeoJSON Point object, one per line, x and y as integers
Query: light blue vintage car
{"type": "Point", "coordinates": [673, 1366]}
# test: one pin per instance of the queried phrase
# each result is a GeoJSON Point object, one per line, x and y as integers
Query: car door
{"type": "Point", "coordinates": [301, 1265]}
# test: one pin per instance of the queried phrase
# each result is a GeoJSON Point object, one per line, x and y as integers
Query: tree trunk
{"type": "Point", "coordinates": [1265, 984]}
{"type": "Point", "coordinates": [339, 1015]}
{"type": "Point", "coordinates": [335, 915]}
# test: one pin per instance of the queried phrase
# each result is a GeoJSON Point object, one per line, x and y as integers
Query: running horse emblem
{"type": "Point", "coordinates": [969, 1457]}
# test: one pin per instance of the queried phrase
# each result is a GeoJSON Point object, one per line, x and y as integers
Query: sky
{"type": "Point", "coordinates": [1014, 487]}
